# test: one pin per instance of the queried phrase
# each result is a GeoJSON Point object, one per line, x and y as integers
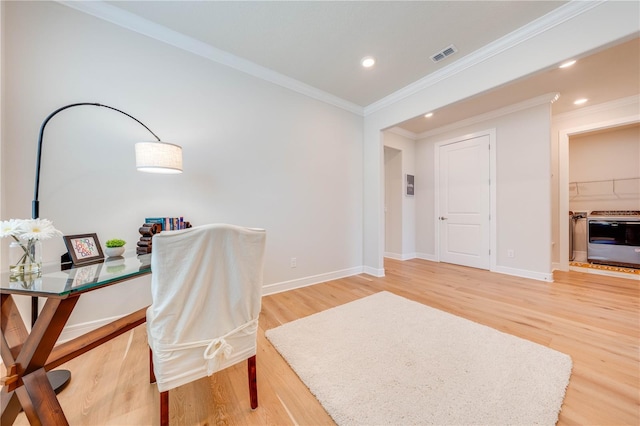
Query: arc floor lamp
{"type": "Point", "coordinates": [152, 157]}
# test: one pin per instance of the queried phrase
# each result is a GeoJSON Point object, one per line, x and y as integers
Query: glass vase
{"type": "Point", "coordinates": [25, 258]}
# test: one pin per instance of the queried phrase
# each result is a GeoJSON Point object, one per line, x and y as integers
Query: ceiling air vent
{"type": "Point", "coordinates": [447, 51]}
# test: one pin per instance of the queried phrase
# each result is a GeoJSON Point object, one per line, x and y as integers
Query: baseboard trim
{"type": "Point", "coordinates": [426, 256]}
{"type": "Point", "coordinates": [390, 255]}
{"type": "Point", "coordinates": [379, 273]}
{"type": "Point", "coordinates": [523, 273]}
{"type": "Point", "coordinates": [404, 256]}
{"type": "Point", "coordinates": [307, 281]}
{"type": "Point", "coordinates": [77, 330]}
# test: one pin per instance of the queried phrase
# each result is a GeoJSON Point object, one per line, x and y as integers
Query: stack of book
{"type": "Point", "coordinates": [155, 225]}
{"type": "Point", "coordinates": [169, 223]}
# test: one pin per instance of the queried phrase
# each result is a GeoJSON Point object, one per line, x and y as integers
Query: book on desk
{"type": "Point", "coordinates": [155, 225]}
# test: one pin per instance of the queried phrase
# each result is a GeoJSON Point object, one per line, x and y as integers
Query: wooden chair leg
{"type": "Point", "coordinates": [152, 375]}
{"type": "Point", "coordinates": [164, 408]}
{"type": "Point", "coordinates": [253, 382]}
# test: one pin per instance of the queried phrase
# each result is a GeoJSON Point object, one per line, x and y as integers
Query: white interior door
{"type": "Point", "coordinates": [464, 173]}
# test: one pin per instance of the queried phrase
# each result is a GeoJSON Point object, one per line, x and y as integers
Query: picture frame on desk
{"type": "Point", "coordinates": [84, 248]}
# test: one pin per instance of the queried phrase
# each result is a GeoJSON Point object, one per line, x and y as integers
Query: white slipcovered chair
{"type": "Point", "coordinates": [206, 290]}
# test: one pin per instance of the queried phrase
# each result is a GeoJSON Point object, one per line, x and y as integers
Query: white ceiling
{"type": "Point", "coordinates": [320, 44]}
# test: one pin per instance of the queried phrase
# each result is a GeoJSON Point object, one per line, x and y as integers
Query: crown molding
{"type": "Point", "coordinates": [594, 109]}
{"type": "Point", "coordinates": [402, 132]}
{"type": "Point", "coordinates": [532, 29]}
{"type": "Point", "coordinates": [102, 10]}
{"type": "Point", "coordinates": [130, 21]}
{"type": "Point", "coordinates": [529, 103]}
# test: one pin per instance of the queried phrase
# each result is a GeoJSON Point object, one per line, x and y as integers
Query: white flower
{"type": "Point", "coordinates": [10, 228]}
{"type": "Point", "coordinates": [28, 229]}
{"type": "Point", "coordinates": [38, 229]}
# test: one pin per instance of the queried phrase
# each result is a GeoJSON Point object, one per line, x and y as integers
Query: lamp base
{"type": "Point", "coordinates": [59, 379]}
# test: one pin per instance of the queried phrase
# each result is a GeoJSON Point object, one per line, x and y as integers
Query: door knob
{"type": "Point", "coordinates": [442, 218]}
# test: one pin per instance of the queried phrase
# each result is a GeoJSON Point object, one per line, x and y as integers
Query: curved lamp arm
{"type": "Point", "coordinates": [35, 206]}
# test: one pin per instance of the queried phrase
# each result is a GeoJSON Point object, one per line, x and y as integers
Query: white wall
{"type": "Point", "coordinates": [255, 154]}
{"type": "Point", "coordinates": [425, 217]}
{"type": "Point", "coordinates": [604, 23]}
{"type": "Point", "coordinates": [406, 204]}
{"type": "Point", "coordinates": [2, 65]}
{"type": "Point", "coordinates": [522, 188]}
{"type": "Point", "coordinates": [607, 155]}
{"type": "Point", "coordinates": [393, 202]}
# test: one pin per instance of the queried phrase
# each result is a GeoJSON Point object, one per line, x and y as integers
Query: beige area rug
{"type": "Point", "coordinates": [386, 360]}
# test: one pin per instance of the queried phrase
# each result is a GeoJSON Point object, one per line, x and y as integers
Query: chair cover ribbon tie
{"type": "Point", "coordinates": [219, 347]}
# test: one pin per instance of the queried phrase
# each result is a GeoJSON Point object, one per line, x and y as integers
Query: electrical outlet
{"type": "Point", "coordinates": [511, 253]}
{"type": "Point", "coordinates": [294, 262]}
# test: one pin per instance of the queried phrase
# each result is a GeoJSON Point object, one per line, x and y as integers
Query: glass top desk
{"type": "Point", "coordinates": [57, 283]}
{"type": "Point", "coordinates": [29, 355]}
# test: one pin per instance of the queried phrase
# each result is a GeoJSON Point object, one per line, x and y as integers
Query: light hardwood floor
{"type": "Point", "coordinates": [593, 318]}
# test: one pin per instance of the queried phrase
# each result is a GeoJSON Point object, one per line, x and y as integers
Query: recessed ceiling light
{"type": "Point", "coordinates": [429, 115]}
{"type": "Point", "coordinates": [368, 62]}
{"type": "Point", "coordinates": [567, 64]}
{"type": "Point", "coordinates": [580, 101]}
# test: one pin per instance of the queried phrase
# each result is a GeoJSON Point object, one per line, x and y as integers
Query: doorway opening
{"type": "Point", "coordinates": [568, 189]}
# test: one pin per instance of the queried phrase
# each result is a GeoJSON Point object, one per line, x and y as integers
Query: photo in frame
{"type": "Point", "coordinates": [410, 187]}
{"type": "Point", "coordinates": [83, 248]}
